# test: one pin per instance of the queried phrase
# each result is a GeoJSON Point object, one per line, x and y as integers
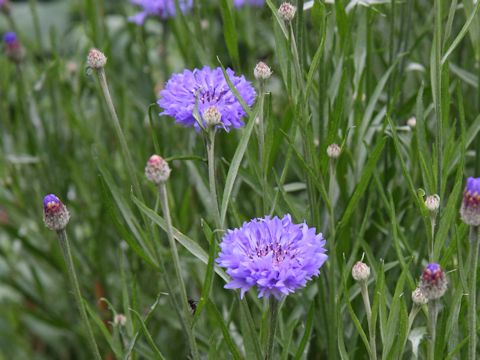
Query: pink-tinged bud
{"type": "Point", "coordinates": [212, 116]}
{"type": "Point", "coordinates": [157, 170]}
{"type": "Point", "coordinates": [333, 151]}
{"type": "Point", "coordinates": [119, 320]}
{"type": "Point", "coordinates": [13, 49]}
{"type": "Point", "coordinates": [286, 11]}
{"type": "Point", "coordinates": [262, 71]}
{"type": "Point", "coordinates": [55, 214]}
{"type": "Point", "coordinates": [96, 59]}
{"type": "Point", "coordinates": [360, 271]}
{"type": "Point", "coordinates": [432, 203]}
{"type": "Point", "coordinates": [433, 282]}
{"type": "Point", "coordinates": [470, 209]}
{"type": "Point", "coordinates": [418, 298]}
{"type": "Point", "coordinates": [412, 122]}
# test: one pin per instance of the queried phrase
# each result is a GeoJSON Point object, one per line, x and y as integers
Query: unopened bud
{"type": "Point", "coordinates": [412, 122]}
{"type": "Point", "coordinates": [432, 203]}
{"type": "Point", "coordinates": [360, 271]}
{"type": "Point", "coordinates": [157, 170]}
{"type": "Point", "coordinates": [96, 59]}
{"type": "Point", "coordinates": [55, 214]}
{"type": "Point", "coordinates": [119, 320]}
{"type": "Point", "coordinates": [286, 11]}
{"type": "Point", "coordinates": [418, 298]}
{"type": "Point", "coordinates": [470, 209]}
{"type": "Point", "coordinates": [433, 282]}
{"type": "Point", "coordinates": [212, 116]}
{"type": "Point", "coordinates": [333, 151]}
{"type": "Point", "coordinates": [262, 71]}
{"type": "Point", "coordinates": [13, 49]}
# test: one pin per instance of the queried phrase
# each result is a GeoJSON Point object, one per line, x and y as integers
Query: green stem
{"type": "Point", "coordinates": [36, 22]}
{"type": "Point", "coordinates": [472, 298]}
{"type": "Point", "coordinates": [437, 91]}
{"type": "Point", "coordinates": [432, 328]}
{"type": "Point", "coordinates": [273, 309]}
{"type": "Point", "coordinates": [67, 255]}
{"type": "Point", "coordinates": [162, 190]}
{"type": "Point", "coordinates": [333, 259]}
{"type": "Point", "coordinates": [433, 218]}
{"type": "Point", "coordinates": [261, 142]}
{"type": "Point", "coordinates": [371, 326]}
{"type": "Point", "coordinates": [118, 129]}
{"type": "Point", "coordinates": [211, 177]}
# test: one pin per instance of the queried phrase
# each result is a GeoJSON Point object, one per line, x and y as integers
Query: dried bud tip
{"type": "Point", "coordinates": [286, 11]}
{"type": "Point", "coordinates": [418, 298]}
{"type": "Point", "coordinates": [360, 271]}
{"type": "Point", "coordinates": [119, 320]}
{"type": "Point", "coordinates": [432, 203]}
{"type": "Point", "coordinates": [262, 71]}
{"type": "Point", "coordinates": [333, 151]}
{"type": "Point", "coordinates": [157, 170]}
{"type": "Point", "coordinates": [412, 122]}
{"type": "Point", "coordinates": [55, 214]}
{"type": "Point", "coordinates": [212, 116]}
{"type": "Point", "coordinates": [96, 59]}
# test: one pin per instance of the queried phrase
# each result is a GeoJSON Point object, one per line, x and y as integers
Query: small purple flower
{"type": "Point", "coordinates": [470, 209]}
{"type": "Point", "coordinates": [55, 214]}
{"type": "Point", "coordinates": [210, 87]}
{"type": "Point", "coordinates": [275, 255]}
{"type": "Point", "coordinates": [240, 3]}
{"type": "Point", "coordinates": [10, 38]}
{"type": "Point", "coordinates": [13, 49]}
{"type": "Point", "coordinates": [162, 9]}
{"type": "Point", "coordinates": [433, 282]}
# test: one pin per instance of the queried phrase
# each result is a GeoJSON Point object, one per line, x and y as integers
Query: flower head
{"type": "Point", "coordinates": [96, 59]}
{"type": "Point", "coordinates": [13, 49]}
{"type": "Point", "coordinates": [262, 71]}
{"type": "Point", "coordinates": [209, 86]}
{"type": "Point", "coordinates": [162, 9]}
{"type": "Point", "coordinates": [470, 209]}
{"type": "Point", "coordinates": [286, 11]}
{"type": "Point", "coordinates": [55, 214]}
{"type": "Point", "coordinates": [432, 202]}
{"type": "Point", "coordinates": [240, 3]}
{"type": "Point", "coordinates": [360, 271]}
{"type": "Point", "coordinates": [119, 320]}
{"type": "Point", "coordinates": [412, 122]}
{"type": "Point", "coordinates": [4, 6]}
{"type": "Point", "coordinates": [418, 298]}
{"type": "Point", "coordinates": [157, 170]}
{"type": "Point", "coordinates": [433, 282]}
{"type": "Point", "coordinates": [275, 255]}
{"type": "Point", "coordinates": [334, 151]}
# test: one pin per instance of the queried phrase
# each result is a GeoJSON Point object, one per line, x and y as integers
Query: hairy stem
{"type": "Point", "coordinates": [211, 177]}
{"type": "Point", "coordinates": [273, 308]}
{"type": "Point", "coordinates": [368, 312]}
{"type": "Point", "coordinates": [432, 328]}
{"type": "Point", "coordinates": [472, 298]}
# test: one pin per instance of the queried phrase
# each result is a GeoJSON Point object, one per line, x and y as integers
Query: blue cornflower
{"type": "Point", "coordinates": [240, 3]}
{"type": "Point", "coordinates": [470, 210]}
{"type": "Point", "coordinates": [433, 282]}
{"type": "Point", "coordinates": [275, 255]}
{"type": "Point", "coordinates": [211, 89]}
{"type": "Point", "coordinates": [158, 8]}
{"type": "Point", "coordinates": [10, 38]}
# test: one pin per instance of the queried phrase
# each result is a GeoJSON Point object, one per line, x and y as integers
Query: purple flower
{"type": "Point", "coordinates": [55, 214]}
{"type": "Point", "coordinates": [210, 87]}
{"type": "Point", "coordinates": [275, 255]}
{"type": "Point", "coordinates": [10, 38]}
{"type": "Point", "coordinates": [159, 8]}
{"type": "Point", "coordinates": [433, 282]}
{"type": "Point", "coordinates": [240, 3]}
{"type": "Point", "coordinates": [470, 210]}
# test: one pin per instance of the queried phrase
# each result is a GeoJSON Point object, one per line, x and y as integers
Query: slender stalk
{"type": "Point", "coordinates": [67, 255]}
{"type": "Point", "coordinates": [273, 309]}
{"type": "Point", "coordinates": [432, 328]}
{"type": "Point", "coordinates": [36, 22]}
{"type": "Point", "coordinates": [261, 142]}
{"type": "Point", "coordinates": [433, 218]}
{"type": "Point", "coordinates": [472, 298]}
{"type": "Point", "coordinates": [437, 92]}
{"type": "Point", "coordinates": [162, 190]}
{"type": "Point", "coordinates": [211, 176]}
{"type": "Point", "coordinates": [118, 129]}
{"type": "Point", "coordinates": [371, 326]}
{"type": "Point", "coordinates": [333, 259]}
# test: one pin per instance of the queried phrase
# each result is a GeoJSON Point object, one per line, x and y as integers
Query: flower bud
{"type": "Point", "coordinates": [433, 282]}
{"type": "Point", "coordinates": [360, 271]}
{"type": "Point", "coordinates": [333, 151]}
{"type": "Point", "coordinates": [412, 122]}
{"type": "Point", "coordinates": [212, 116]}
{"type": "Point", "coordinates": [13, 49]}
{"type": "Point", "coordinates": [432, 203]}
{"type": "Point", "coordinates": [96, 59]}
{"type": "Point", "coordinates": [470, 209]}
{"type": "Point", "coordinates": [55, 214]}
{"type": "Point", "coordinates": [119, 320]}
{"type": "Point", "coordinates": [286, 11]}
{"type": "Point", "coordinates": [262, 71]}
{"type": "Point", "coordinates": [5, 6]}
{"type": "Point", "coordinates": [157, 170]}
{"type": "Point", "coordinates": [418, 298]}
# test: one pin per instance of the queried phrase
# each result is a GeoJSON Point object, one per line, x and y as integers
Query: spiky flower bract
{"type": "Point", "coordinates": [55, 214]}
{"type": "Point", "coordinates": [211, 89]}
{"type": "Point", "coordinates": [470, 210]}
{"type": "Point", "coordinates": [433, 282]}
{"type": "Point", "coordinates": [240, 3]}
{"type": "Point", "coordinates": [273, 254]}
{"type": "Point", "coordinates": [162, 9]}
